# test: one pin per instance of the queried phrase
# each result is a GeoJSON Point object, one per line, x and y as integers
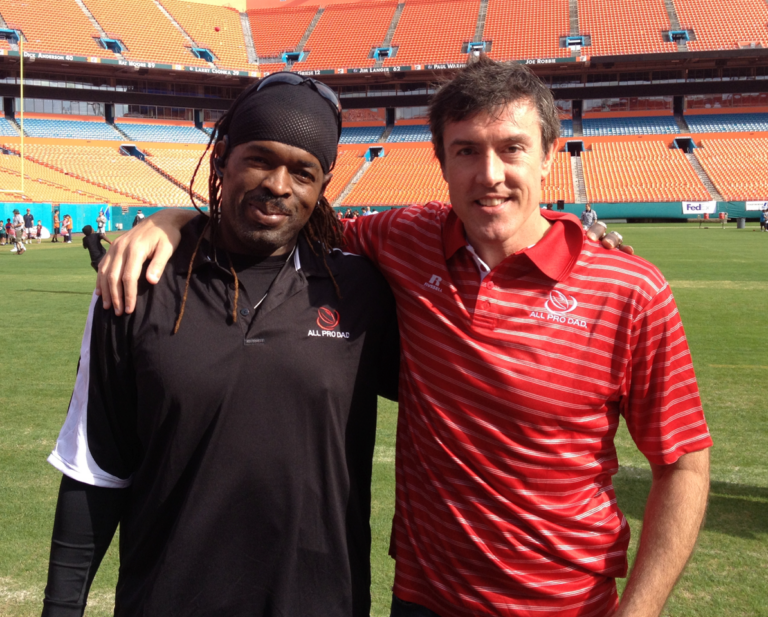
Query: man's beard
{"type": "Point", "coordinates": [261, 240]}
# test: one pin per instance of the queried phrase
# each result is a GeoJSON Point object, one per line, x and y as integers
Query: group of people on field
{"type": "Point", "coordinates": [21, 230]}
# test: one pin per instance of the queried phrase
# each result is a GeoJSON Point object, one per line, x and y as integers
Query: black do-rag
{"type": "Point", "coordinates": [293, 115]}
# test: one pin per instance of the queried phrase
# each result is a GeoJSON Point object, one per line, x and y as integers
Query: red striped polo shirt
{"type": "Point", "coordinates": [512, 383]}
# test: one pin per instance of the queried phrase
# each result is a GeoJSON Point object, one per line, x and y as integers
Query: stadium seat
{"type": "Point", "coordinates": [345, 35]}
{"type": "Point", "coordinates": [647, 171]}
{"type": "Point", "coordinates": [566, 128]}
{"type": "Point", "coordinates": [410, 132]}
{"type": "Point", "coordinates": [216, 28]}
{"type": "Point", "coordinates": [522, 30]}
{"type": "Point", "coordinates": [8, 128]}
{"type": "Point", "coordinates": [723, 25]}
{"type": "Point", "coordinates": [180, 166]}
{"type": "Point", "coordinates": [163, 133]}
{"type": "Point", "coordinates": [279, 30]}
{"type": "Point", "coordinates": [737, 167]}
{"type": "Point", "coordinates": [404, 176]}
{"type": "Point", "coordinates": [559, 183]}
{"type": "Point", "coordinates": [148, 35]}
{"type": "Point", "coordinates": [727, 123]}
{"type": "Point", "coordinates": [65, 30]}
{"type": "Point", "coordinates": [654, 125]}
{"type": "Point", "coordinates": [625, 28]}
{"type": "Point", "coordinates": [432, 31]}
{"type": "Point", "coordinates": [348, 164]}
{"type": "Point", "coordinates": [360, 134]}
{"type": "Point", "coordinates": [44, 183]}
{"type": "Point", "coordinates": [69, 129]}
{"type": "Point", "coordinates": [107, 168]}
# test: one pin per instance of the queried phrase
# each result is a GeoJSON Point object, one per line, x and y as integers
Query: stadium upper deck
{"type": "Point", "coordinates": [410, 35]}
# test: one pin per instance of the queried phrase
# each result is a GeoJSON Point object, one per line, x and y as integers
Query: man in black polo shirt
{"type": "Point", "coordinates": [228, 423]}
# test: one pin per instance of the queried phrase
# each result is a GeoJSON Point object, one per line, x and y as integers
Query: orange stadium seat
{"type": "Point", "coordinates": [65, 30]}
{"type": "Point", "coordinates": [432, 31]}
{"type": "Point", "coordinates": [345, 35]}
{"type": "Point", "coordinates": [522, 30]}
{"type": "Point", "coordinates": [646, 171]}
{"type": "Point", "coordinates": [737, 167]}
{"type": "Point", "coordinates": [402, 177]}
{"type": "Point", "coordinates": [723, 25]}
{"type": "Point", "coordinates": [200, 22]}
{"type": "Point", "coordinates": [624, 28]}
{"type": "Point", "coordinates": [278, 30]}
{"type": "Point", "coordinates": [105, 167]}
{"type": "Point", "coordinates": [348, 164]}
{"type": "Point", "coordinates": [559, 182]}
{"type": "Point", "coordinates": [147, 34]}
{"type": "Point", "coordinates": [46, 184]}
{"type": "Point", "coordinates": [180, 165]}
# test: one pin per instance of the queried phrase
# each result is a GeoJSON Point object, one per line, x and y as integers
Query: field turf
{"type": "Point", "coordinates": [720, 280]}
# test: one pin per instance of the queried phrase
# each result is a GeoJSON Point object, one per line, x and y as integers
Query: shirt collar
{"type": "Point", "coordinates": [554, 255]}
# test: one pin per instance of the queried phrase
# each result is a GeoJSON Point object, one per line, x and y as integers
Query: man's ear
{"type": "Point", "coordinates": [549, 159]}
{"type": "Point", "coordinates": [326, 181]}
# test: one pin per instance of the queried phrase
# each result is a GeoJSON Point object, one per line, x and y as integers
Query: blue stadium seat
{"type": "Point", "coordinates": [655, 125]}
{"type": "Point", "coordinates": [7, 128]}
{"type": "Point", "coordinates": [727, 123]}
{"type": "Point", "coordinates": [566, 128]}
{"type": "Point", "coordinates": [163, 133]}
{"type": "Point", "coordinates": [361, 134]}
{"type": "Point", "coordinates": [410, 132]}
{"type": "Point", "coordinates": [69, 129]}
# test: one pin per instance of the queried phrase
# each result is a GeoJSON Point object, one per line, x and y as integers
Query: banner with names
{"type": "Point", "coordinates": [756, 206]}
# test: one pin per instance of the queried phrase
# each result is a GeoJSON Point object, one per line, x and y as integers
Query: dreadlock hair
{"type": "Point", "coordinates": [323, 231]}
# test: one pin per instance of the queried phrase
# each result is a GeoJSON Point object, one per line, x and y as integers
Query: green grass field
{"type": "Point", "coordinates": [720, 280]}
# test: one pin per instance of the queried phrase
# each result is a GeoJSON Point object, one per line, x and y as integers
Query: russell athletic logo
{"type": "Point", "coordinates": [328, 320]}
{"type": "Point", "coordinates": [559, 306]}
{"type": "Point", "coordinates": [434, 283]}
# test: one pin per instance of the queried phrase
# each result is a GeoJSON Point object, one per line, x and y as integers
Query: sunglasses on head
{"type": "Point", "coordinates": [294, 79]}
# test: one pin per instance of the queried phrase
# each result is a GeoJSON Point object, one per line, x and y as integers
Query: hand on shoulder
{"type": "Point", "coordinates": [156, 238]}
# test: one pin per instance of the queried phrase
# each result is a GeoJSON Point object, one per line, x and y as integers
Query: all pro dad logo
{"type": "Point", "coordinates": [559, 308]}
{"type": "Point", "coordinates": [328, 320]}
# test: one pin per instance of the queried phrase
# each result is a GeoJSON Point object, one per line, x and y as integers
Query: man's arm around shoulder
{"type": "Point", "coordinates": [674, 513]}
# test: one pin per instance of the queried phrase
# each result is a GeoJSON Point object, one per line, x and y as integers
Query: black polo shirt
{"type": "Point", "coordinates": [248, 446]}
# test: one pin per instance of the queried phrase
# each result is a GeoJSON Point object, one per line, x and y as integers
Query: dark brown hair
{"type": "Point", "coordinates": [488, 86]}
{"type": "Point", "coordinates": [323, 231]}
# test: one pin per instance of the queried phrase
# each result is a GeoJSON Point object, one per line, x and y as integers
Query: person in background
{"type": "Point", "coordinates": [137, 219]}
{"type": "Point", "coordinates": [56, 226]}
{"type": "Point", "coordinates": [29, 224]}
{"type": "Point", "coordinates": [39, 232]}
{"type": "Point", "coordinates": [763, 216]}
{"type": "Point", "coordinates": [3, 234]}
{"type": "Point", "coordinates": [92, 242]}
{"type": "Point", "coordinates": [15, 239]}
{"type": "Point", "coordinates": [18, 227]}
{"type": "Point", "coordinates": [101, 223]}
{"type": "Point", "coordinates": [67, 229]}
{"type": "Point", "coordinates": [588, 217]}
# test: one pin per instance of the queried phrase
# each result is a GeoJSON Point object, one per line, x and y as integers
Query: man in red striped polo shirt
{"type": "Point", "coordinates": [522, 344]}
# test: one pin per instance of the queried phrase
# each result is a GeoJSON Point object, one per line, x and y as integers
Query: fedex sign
{"type": "Point", "coordinates": [699, 207]}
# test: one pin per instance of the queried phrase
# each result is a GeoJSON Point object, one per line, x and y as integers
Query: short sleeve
{"type": "Point", "coordinates": [662, 406]}
{"type": "Point", "coordinates": [98, 444]}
